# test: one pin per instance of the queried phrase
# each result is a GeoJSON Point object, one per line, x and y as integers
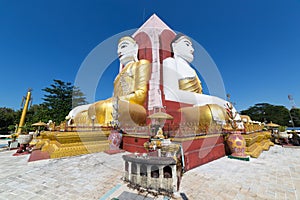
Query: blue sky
{"type": "Point", "coordinates": [255, 44]}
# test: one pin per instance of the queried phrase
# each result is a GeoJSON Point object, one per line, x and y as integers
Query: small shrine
{"type": "Point", "coordinates": [159, 170]}
{"type": "Point", "coordinates": [149, 172]}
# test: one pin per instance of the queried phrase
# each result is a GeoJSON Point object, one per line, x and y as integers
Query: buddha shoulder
{"type": "Point", "coordinates": [144, 62]}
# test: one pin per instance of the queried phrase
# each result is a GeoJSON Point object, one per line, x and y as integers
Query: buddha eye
{"type": "Point", "coordinates": [123, 46]}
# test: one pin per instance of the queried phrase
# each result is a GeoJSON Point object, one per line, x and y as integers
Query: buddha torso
{"type": "Point", "coordinates": [125, 81]}
{"type": "Point", "coordinates": [131, 83]}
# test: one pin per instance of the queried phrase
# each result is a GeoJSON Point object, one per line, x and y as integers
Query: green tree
{"type": "Point", "coordinates": [267, 112]}
{"type": "Point", "coordinates": [59, 99]}
{"type": "Point", "coordinates": [7, 118]}
{"type": "Point", "coordinates": [295, 114]}
{"type": "Point", "coordinates": [38, 112]}
{"type": "Point", "coordinates": [78, 98]}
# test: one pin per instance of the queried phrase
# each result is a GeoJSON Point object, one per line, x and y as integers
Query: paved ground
{"type": "Point", "coordinates": [274, 175]}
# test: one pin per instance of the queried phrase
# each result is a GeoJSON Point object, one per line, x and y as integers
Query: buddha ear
{"type": "Point", "coordinates": [136, 47]}
{"type": "Point", "coordinates": [173, 47]}
{"type": "Point", "coordinates": [136, 50]}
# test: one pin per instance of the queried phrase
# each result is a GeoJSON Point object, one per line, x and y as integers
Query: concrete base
{"type": "Point", "coordinates": [38, 155]}
{"type": "Point", "coordinates": [72, 143]}
{"type": "Point", "coordinates": [201, 149]}
{"type": "Point", "coordinates": [197, 150]}
{"type": "Point", "coordinates": [134, 143]}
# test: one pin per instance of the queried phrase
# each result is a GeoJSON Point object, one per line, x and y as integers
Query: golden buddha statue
{"type": "Point", "coordinates": [159, 134]}
{"type": "Point", "coordinates": [130, 87]}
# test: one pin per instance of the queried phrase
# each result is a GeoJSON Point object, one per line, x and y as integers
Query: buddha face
{"type": "Point", "coordinates": [127, 50]}
{"type": "Point", "coordinates": [183, 48]}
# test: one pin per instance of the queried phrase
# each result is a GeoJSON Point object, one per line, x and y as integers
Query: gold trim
{"type": "Point", "coordinates": [194, 138]}
{"type": "Point", "coordinates": [136, 136]}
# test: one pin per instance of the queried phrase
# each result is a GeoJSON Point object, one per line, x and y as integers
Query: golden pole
{"type": "Point", "coordinates": [22, 120]}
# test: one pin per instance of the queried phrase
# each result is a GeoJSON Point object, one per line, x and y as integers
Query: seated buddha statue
{"type": "Point", "coordinates": [159, 134]}
{"type": "Point", "coordinates": [183, 76]}
{"type": "Point", "coordinates": [130, 88]}
{"type": "Point", "coordinates": [181, 84]}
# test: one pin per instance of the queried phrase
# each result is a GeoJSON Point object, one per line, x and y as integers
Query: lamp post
{"type": "Point", "coordinates": [290, 97]}
{"type": "Point", "coordinates": [292, 121]}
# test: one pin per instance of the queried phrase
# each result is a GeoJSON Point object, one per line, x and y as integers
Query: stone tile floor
{"type": "Point", "coordinates": [274, 175]}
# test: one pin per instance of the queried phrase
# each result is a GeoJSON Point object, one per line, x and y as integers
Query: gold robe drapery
{"type": "Point", "coordinates": [191, 84]}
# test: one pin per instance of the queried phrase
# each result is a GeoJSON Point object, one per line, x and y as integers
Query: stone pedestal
{"type": "Point", "coordinates": [24, 141]}
{"type": "Point", "coordinates": [197, 150]}
{"type": "Point", "coordinates": [201, 149]}
{"type": "Point", "coordinates": [135, 143]}
{"type": "Point", "coordinates": [156, 173]}
{"type": "Point", "coordinates": [72, 143]}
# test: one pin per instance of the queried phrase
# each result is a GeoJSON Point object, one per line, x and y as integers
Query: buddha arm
{"type": "Point", "coordinates": [141, 78]}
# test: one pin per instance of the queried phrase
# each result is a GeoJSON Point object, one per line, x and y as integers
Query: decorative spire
{"type": "Point", "coordinates": [154, 22]}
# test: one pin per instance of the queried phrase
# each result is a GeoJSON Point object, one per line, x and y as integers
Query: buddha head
{"type": "Point", "coordinates": [127, 50]}
{"type": "Point", "coordinates": [182, 47]}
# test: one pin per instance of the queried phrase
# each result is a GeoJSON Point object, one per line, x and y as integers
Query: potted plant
{"type": "Point", "coordinates": [24, 136]}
